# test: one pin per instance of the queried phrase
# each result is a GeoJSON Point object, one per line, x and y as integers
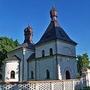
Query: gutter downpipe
{"type": "Point", "coordinates": [57, 76]}
{"type": "Point", "coordinates": [23, 52]}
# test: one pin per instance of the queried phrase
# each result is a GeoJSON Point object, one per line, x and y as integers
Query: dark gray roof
{"type": "Point", "coordinates": [31, 57]}
{"type": "Point", "coordinates": [14, 57]}
{"type": "Point", "coordinates": [26, 45]}
{"type": "Point", "coordinates": [53, 32]}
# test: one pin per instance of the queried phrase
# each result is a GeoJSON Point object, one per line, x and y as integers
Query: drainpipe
{"type": "Point", "coordinates": [23, 53]}
{"type": "Point", "coordinates": [35, 66]}
{"type": "Point", "coordinates": [19, 71]}
{"type": "Point", "coordinates": [57, 76]}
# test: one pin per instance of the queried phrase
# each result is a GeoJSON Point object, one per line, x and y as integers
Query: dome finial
{"type": "Point", "coordinates": [53, 14]}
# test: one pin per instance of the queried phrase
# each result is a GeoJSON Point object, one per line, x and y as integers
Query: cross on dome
{"type": "Point", "coordinates": [53, 14]}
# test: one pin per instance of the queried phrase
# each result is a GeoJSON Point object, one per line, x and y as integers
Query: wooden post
{"type": "Point", "coordinates": [73, 85]}
{"type": "Point", "coordinates": [63, 85]}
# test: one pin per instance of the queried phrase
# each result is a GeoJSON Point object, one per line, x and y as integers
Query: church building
{"type": "Point", "coordinates": [53, 57]}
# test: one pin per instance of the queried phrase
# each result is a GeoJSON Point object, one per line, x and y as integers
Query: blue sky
{"type": "Point", "coordinates": [73, 16]}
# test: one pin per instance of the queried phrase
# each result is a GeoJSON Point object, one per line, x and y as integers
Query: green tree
{"type": "Point", "coordinates": [79, 64]}
{"type": "Point", "coordinates": [6, 45]}
{"type": "Point", "coordinates": [85, 60]}
{"type": "Point", "coordinates": [82, 62]}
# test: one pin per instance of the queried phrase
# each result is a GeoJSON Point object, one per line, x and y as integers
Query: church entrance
{"type": "Point", "coordinates": [67, 75]}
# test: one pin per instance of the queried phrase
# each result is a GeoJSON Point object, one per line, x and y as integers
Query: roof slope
{"type": "Point", "coordinates": [31, 57]}
{"type": "Point", "coordinates": [53, 32]}
{"type": "Point", "coordinates": [14, 57]}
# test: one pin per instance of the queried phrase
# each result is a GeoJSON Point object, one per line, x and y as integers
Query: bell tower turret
{"type": "Point", "coordinates": [28, 35]}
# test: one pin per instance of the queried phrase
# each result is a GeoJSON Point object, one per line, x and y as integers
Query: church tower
{"type": "Point", "coordinates": [55, 53]}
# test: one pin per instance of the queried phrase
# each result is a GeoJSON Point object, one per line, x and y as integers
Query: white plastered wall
{"type": "Point", "coordinates": [12, 66]}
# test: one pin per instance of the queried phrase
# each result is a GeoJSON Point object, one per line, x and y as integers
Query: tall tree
{"type": "Point", "coordinates": [79, 64]}
{"type": "Point", "coordinates": [83, 62]}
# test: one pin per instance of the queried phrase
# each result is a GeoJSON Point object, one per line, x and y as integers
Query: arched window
{"type": "Point", "coordinates": [0, 77]}
{"type": "Point", "coordinates": [67, 75]}
{"type": "Point", "coordinates": [43, 53]}
{"type": "Point", "coordinates": [12, 75]}
{"type": "Point", "coordinates": [32, 76]}
{"type": "Point", "coordinates": [47, 74]}
{"type": "Point", "coordinates": [51, 51]}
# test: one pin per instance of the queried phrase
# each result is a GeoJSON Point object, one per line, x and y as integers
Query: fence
{"type": "Point", "coordinates": [43, 85]}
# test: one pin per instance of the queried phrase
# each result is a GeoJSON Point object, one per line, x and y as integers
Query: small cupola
{"type": "Point", "coordinates": [53, 14]}
{"type": "Point", "coordinates": [28, 35]}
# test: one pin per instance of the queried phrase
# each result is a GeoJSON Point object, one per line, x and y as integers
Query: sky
{"type": "Point", "coordinates": [73, 17]}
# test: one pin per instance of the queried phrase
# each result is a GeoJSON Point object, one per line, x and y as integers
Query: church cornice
{"type": "Point", "coordinates": [45, 57]}
{"type": "Point", "coordinates": [54, 41]}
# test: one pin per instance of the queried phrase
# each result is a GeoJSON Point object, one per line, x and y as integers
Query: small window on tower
{"type": "Point", "coordinates": [51, 51]}
{"type": "Point", "coordinates": [12, 75]}
{"type": "Point", "coordinates": [32, 76]}
{"type": "Point", "coordinates": [47, 74]}
{"type": "Point", "coordinates": [43, 53]}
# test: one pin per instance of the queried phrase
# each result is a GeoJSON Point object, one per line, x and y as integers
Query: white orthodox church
{"type": "Point", "coordinates": [53, 57]}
